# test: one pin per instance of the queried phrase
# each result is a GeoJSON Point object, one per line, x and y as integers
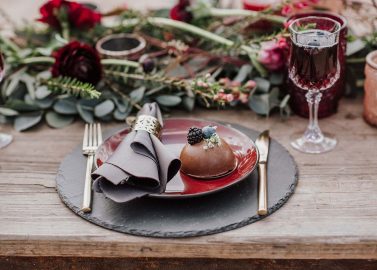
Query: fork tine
{"type": "Point", "coordinates": [99, 134]}
{"type": "Point", "coordinates": [94, 135]}
{"type": "Point", "coordinates": [85, 140]}
{"type": "Point", "coordinates": [90, 135]}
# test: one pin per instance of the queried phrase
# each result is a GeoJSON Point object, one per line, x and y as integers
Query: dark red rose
{"type": "Point", "coordinates": [180, 11]}
{"type": "Point", "coordinates": [77, 60]}
{"type": "Point", "coordinates": [79, 16]}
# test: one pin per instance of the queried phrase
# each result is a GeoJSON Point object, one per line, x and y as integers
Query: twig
{"type": "Point", "coordinates": [116, 90]}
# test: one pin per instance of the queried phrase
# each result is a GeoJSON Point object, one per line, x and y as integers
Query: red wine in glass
{"type": "Point", "coordinates": [314, 66]}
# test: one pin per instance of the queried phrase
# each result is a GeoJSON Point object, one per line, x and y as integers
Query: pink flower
{"type": "Point", "coordinates": [244, 98]}
{"type": "Point", "coordinates": [224, 81]}
{"type": "Point", "coordinates": [282, 43]}
{"type": "Point", "coordinates": [286, 10]}
{"type": "Point", "coordinates": [300, 5]}
{"type": "Point", "coordinates": [272, 56]}
{"type": "Point", "coordinates": [229, 97]}
{"type": "Point", "coordinates": [250, 84]}
{"type": "Point", "coordinates": [215, 97]}
{"type": "Point", "coordinates": [200, 83]}
{"type": "Point", "coordinates": [235, 83]}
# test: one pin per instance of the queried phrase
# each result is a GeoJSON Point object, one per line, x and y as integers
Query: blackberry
{"type": "Point", "coordinates": [195, 135]}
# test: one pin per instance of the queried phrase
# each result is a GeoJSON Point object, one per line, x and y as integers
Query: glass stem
{"type": "Point", "coordinates": [313, 133]}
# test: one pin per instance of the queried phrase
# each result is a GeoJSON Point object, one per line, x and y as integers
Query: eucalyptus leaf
{"type": "Point", "coordinates": [273, 98]}
{"type": "Point", "coordinates": [89, 104]}
{"type": "Point", "coordinates": [118, 115]}
{"type": "Point", "coordinates": [168, 100]}
{"type": "Point", "coordinates": [42, 92]}
{"type": "Point", "coordinates": [276, 78]}
{"type": "Point", "coordinates": [121, 104]}
{"type": "Point", "coordinates": [21, 106]}
{"type": "Point", "coordinates": [284, 101]}
{"type": "Point", "coordinates": [355, 46]}
{"type": "Point", "coordinates": [5, 120]}
{"type": "Point", "coordinates": [24, 53]}
{"type": "Point", "coordinates": [65, 106]}
{"type": "Point", "coordinates": [260, 104]}
{"type": "Point", "coordinates": [12, 85]}
{"type": "Point", "coordinates": [44, 103]}
{"type": "Point", "coordinates": [285, 110]}
{"type": "Point", "coordinates": [56, 120]}
{"type": "Point", "coordinates": [44, 51]}
{"type": "Point", "coordinates": [106, 118]}
{"type": "Point", "coordinates": [8, 112]}
{"type": "Point", "coordinates": [24, 122]}
{"type": "Point", "coordinates": [263, 85]}
{"type": "Point", "coordinates": [264, 103]}
{"type": "Point", "coordinates": [104, 108]}
{"type": "Point", "coordinates": [137, 94]}
{"type": "Point", "coordinates": [43, 75]}
{"type": "Point", "coordinates": [29, 100]}
{"type": "Point", "coordinates": [85, 114]}
{"type": "Point", "coordinates": [188, 103]}
{"type": "Point", "coordinates": [243, 73]}
{"type": "Point", "coordinates": [29, 82]}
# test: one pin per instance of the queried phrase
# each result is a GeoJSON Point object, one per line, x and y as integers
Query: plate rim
{"type": "Point", "coordinates": [205, 193]}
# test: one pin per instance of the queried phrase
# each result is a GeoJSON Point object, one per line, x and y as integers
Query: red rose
{"type": "Point", "coordinates": [180, 11]}
{"type": "Point", "coordinates": [77, 60]}
{"type": "Point", "coordinates": [78, 16]}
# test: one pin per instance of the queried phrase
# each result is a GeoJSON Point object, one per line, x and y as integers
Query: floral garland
{"type": "Point", "coordinates": [197, 55]}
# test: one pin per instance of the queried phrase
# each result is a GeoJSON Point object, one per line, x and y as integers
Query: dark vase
{"type": "Point", "coordinates": [330, 99]}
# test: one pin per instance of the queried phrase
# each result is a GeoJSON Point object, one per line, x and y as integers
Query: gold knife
{"type": "Point", "coordinates": [263, 143]}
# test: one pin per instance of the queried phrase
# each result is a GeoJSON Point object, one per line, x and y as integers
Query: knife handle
{"type": "Point", "coordinates": [262, 190]}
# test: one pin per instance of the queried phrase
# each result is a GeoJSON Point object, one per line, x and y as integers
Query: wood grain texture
{"type": "Point", "coordinates": [332, 215]}
{"type": "Point", "coordinates": [73, 263]}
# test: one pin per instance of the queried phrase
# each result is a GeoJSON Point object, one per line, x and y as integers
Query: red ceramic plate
{"type": "Point", "coordinates": [174, 137]}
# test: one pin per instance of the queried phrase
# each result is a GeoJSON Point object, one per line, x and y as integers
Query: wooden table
{"type": "Point", "coordinates": [332, 216]}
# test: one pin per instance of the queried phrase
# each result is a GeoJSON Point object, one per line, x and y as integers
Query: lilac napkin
{"type": "Point", "coordinates": [140, 165]}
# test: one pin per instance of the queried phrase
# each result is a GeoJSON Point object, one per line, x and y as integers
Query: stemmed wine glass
{"type": "Point", "coordinates": [5, 139]}
{"type": "Point", "coordinates": [314, 67]}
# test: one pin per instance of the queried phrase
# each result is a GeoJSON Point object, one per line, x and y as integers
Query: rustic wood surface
{"type": "Point", "coordinates": [332, 215]}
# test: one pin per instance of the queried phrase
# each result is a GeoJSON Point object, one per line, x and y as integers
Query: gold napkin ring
{"type": "Point", "coordinates": [148, 123]}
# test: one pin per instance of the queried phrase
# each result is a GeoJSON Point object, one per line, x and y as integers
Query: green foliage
{"type": "Point", "coordinates": [71, 86]}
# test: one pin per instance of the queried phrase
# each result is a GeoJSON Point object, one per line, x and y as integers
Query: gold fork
{"type": "Point", "coordinates": [92, 139]}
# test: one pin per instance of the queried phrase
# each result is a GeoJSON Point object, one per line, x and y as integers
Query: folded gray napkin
{"type": "Point", "coordinates": [140, 165]}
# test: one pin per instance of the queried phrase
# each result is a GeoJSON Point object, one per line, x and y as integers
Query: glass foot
{"type": "Point", "coordinates": [5, 139]}
{"type": "Point", "coordinates": [300, 143]}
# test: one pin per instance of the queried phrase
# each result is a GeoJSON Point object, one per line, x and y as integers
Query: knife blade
{"type": "Point", "coordinates": [263, 145]}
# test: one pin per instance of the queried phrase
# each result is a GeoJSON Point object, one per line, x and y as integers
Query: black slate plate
{"type": "Point", "coordinates": [223, 211]}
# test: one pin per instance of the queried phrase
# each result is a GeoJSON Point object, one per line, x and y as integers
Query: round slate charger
{"type": "Point", "coordinates": [155, 217]}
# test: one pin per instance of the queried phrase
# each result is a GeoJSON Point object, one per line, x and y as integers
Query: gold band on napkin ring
{"type": "Point", "coordinates": [148, 123]}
